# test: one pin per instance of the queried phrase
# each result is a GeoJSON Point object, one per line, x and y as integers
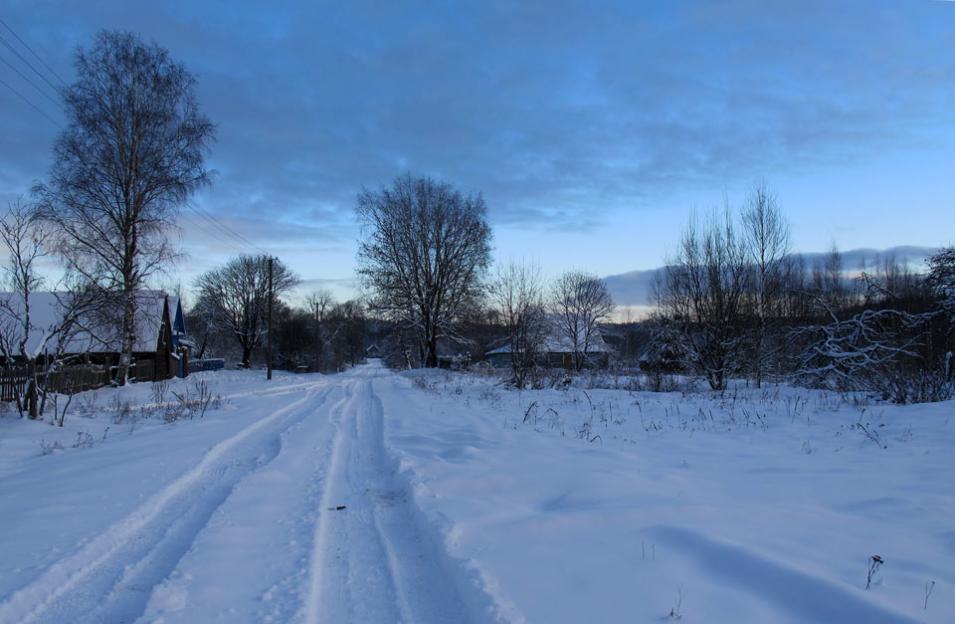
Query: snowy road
{"type": "Point", "coordinates": [297, 517]}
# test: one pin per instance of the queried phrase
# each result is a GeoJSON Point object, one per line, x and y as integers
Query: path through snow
{"type": "Point", "coordinates": [252, 532]}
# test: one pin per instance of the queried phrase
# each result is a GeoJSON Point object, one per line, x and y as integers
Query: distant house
{"type": "Point", "coordinates": [455, 352]}
{"type": "Point", "coordinates": [161, 348]}
{"type": "Point", "coordinates": [557, 351]}
{"type": "Point", "coordinates": [373, 352]}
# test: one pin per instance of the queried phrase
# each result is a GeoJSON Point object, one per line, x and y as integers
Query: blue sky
{"type": "Point", "coordinates": [593, 129]}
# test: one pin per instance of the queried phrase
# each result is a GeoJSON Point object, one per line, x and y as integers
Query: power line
{"type": "Point", "coordinates": [215, 234]}
{"type": "Point", "coordinates": [225, 229]}
{"type": "Point", "coordinates": [35, 55]}
{"type": "Point", "coordinates": [242, 239]}
{"type": "Point", "coordinates": [28, 64]}
{"type": "Point", "coordinates": [236, 239]}
{"type": "Point", "coordinates": [229, 229]}
{"type": "Point", "coordinates": [31, 104]}
{"type": "Point", "coordinates": [30, 82]}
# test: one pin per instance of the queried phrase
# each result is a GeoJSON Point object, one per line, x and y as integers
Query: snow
{"type": "Point", "coordinates": [434, 496]}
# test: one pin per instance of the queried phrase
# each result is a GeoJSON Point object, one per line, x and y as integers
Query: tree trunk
{"type": "Point", "coordinates": [432, 352]}
{"type": "Point", "coordinates": [246, 357]}
{"type": "Point", "coordinates": [31, 390]}
{"type": "Point", "coordinates": [129, 338]}
{"type": "Point", "coordinates": [318, 346]}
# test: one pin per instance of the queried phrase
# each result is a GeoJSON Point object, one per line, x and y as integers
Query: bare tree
{"type": "Point", "coordinates": [580, 302]}
{"type": "Point", "coordinates": [518, 294]}
{"type": "Point", "coordinates": [702, 295]}
{"type": "Point", "coordinates": [26, 335]}
{"type": "Point", "coordinates": [61, 345]}
{"type": "Point", "coordinates": [235, 298]}
{"type": "Point", "coordinates": [828, 280]}
{"type": "Point", "coordinates": [425, 252]}
{"type": "Point", "coordinates": [345, 338]}
{"type": "Point", "coordinates": [319, 304]}
{"type": "Point", "coordinates": [25, 239]}
{"type": "Point", "coordinates": [131, 154]}
{"type": "Point", "coordinates": [766, 236]}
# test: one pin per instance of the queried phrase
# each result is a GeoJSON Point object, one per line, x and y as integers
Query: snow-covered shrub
{"type": "Point", "coordinates": [159, 391]}
{"type": "Point", "coordinates": [122, 410]}
{"type": "Point", "coordinates": [48, 448]}
{"type": "Point", "coordinates": [878, 351]}
{"type": "Point", "coordinates": [192, 403]}
{"type": "Point", "coordinates": [83, 440]}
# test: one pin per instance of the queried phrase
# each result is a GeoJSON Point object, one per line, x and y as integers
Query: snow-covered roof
{"type": "Point", "coordinates": [95, 335]}
{"type": "Point", "coordinates": [557, 341]}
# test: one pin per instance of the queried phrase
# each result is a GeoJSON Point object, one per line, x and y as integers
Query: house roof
{"type": "Point", "coordinates": [95, 335]}
{"type": "Point", "coordinates": [556, 342]}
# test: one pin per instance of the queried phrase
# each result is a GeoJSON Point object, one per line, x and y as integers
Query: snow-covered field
{"type": "Point", "coordinates": [437, 497]}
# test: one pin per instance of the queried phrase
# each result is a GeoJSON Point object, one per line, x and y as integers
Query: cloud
{"type": "Point", "coordinates": [562, 115]}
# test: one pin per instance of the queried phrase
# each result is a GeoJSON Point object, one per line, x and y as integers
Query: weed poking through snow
{"type": "Point", "coordinates": [676, 612]}
{"type": "Point", "coordinates": [929, 588]}
{"type": "Point", "coordinates": [875, 562]}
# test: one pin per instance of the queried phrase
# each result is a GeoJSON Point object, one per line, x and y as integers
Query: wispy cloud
{"type": "Point", "coordinates": [565, 116]}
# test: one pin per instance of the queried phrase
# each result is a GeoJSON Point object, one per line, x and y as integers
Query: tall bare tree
{"type": "Point", "coordinates": [580, 302]}
{"type": "Point", "coordinates": [517, 292]}
{"type": "Point", "coordinates": [131, 154]}
{"type": "Point", "coordinates": [319, 305]}
{"type": "Point", "coordinates": [702, 294]}
{"type": "Point", "coordinates": [426, 249]}
{"type": "Point", "coordinates": [766, 236]}
{"type": "Point", "coordinates": [235, 298]}
{"type": "Point", "coordinates": [25, 238]}
{"type": "Point", "coordinates": [26, 335]}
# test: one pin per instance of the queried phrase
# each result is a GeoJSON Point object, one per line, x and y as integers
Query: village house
{"type": "Point", "coordinates": [160, 351]}
{"type": "Point", "coordinates": [557, 351]}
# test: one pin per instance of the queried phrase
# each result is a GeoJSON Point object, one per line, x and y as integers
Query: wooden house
{"type": "Point", "coordinates": [161, 347]}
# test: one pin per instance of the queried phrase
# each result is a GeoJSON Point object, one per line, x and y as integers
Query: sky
{"type": "Point", "coordinates": [592, 129]}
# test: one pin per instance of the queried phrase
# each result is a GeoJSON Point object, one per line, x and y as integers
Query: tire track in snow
{"type": "Point", "coordinates": [376, 560]}
{"type": "Point", "coordinates": [111, 577]}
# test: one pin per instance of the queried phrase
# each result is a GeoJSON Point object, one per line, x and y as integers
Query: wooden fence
{"type": "Point", "coordinates": [13, 381]}
{"type": "Point", "coordinates": [68, 380]}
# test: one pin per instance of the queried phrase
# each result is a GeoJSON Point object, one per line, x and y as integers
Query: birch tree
{"type": "Point", "coordinates": [766, 237]}
{"type": "Point", "coordinates": [25, 239]}
{"type": "Point", "coordinates": [518, 295]}
{"type": "Point", "coordinates": [132, 152]}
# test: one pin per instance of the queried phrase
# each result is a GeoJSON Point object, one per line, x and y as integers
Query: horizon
{"type": "Point", "coordinates": [593, 133]}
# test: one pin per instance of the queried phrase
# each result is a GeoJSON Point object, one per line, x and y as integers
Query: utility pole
{"type": "Point", "coordinates": [268, 374]}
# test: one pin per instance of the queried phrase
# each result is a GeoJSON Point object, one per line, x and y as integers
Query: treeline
{"type": "Point", "coordinates": [734, 302]}
{"type": "Point", "coordinates": [231, 319]}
